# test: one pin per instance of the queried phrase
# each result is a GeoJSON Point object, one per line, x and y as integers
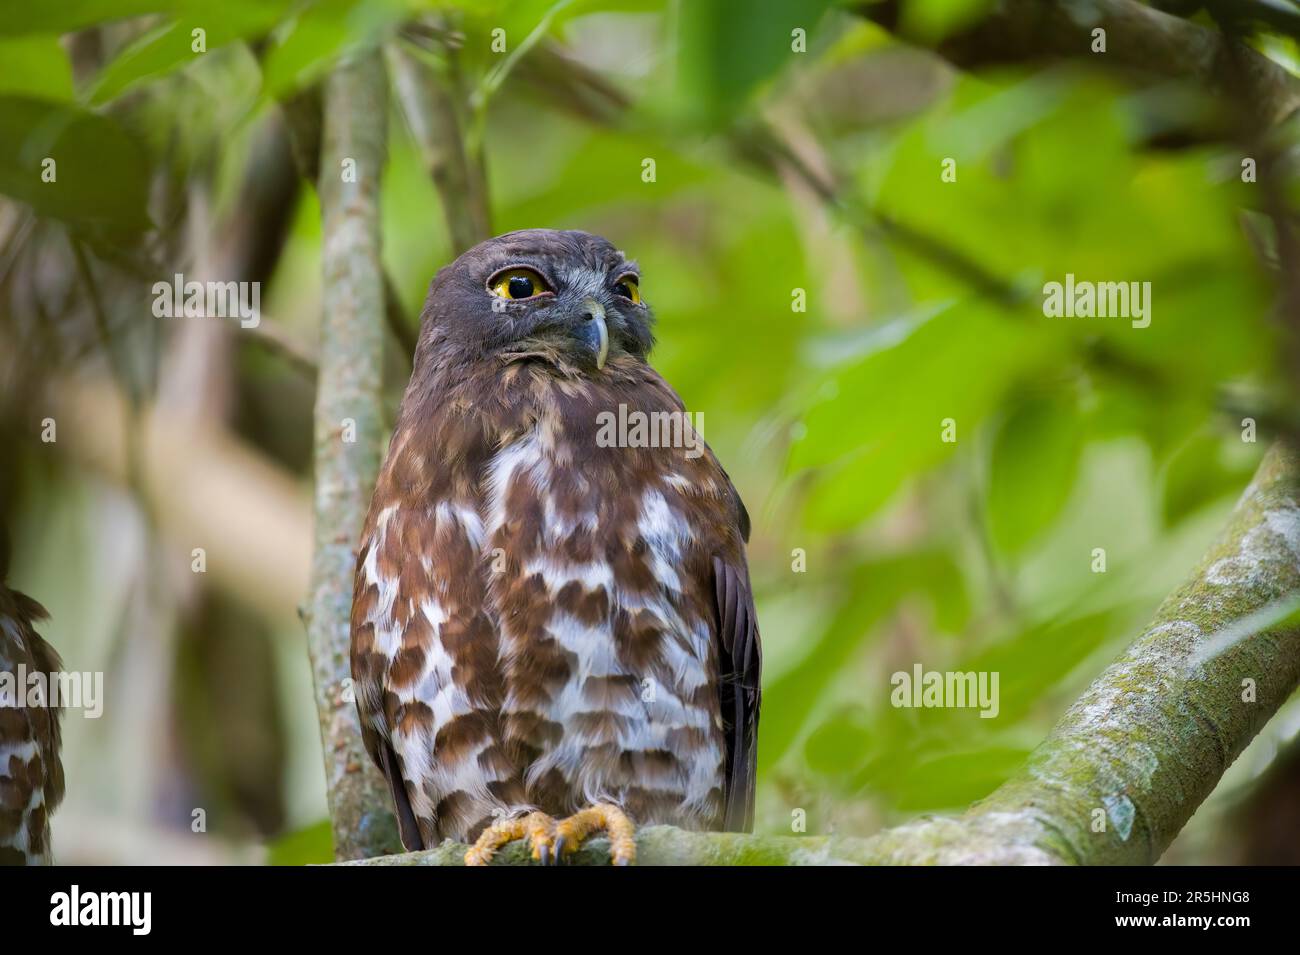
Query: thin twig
{"type": "Point", "coordinates": [431, 117]}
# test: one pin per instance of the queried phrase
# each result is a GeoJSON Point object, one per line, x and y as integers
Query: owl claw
{"type": "Point", "coordinates": [552, 842]}
{"type": "Point", "coordinates": [603, 817]}
{"type": "Point", "coordinates": [537, 827]}
{"type": "Point", "coordinates": [549, 854]}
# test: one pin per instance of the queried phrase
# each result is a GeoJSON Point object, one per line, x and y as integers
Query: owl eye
{"type": "Point", "coordinates": [517, 283]}
{"type": "Point", "coordinates": [628, 288]}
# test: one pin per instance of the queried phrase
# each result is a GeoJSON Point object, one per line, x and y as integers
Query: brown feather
{"type": "Point", "coordinates": [539, 621]}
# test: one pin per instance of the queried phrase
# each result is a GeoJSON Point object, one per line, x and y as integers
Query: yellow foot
{"type": "Point", "coordinates": [570, 833]}
{"type": "Point", "coordinates": [537, 827]}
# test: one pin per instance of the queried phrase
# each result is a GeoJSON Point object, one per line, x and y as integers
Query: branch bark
{"type": "Point", "coordinates": [431, 115]}
{"type": "Point", "coordinates": [348, 435]}
{"type": "Point", "coordinates": [304, 120]}
{"type": "Point", "coordinates": [666, 845]}
{"type": "Point", "coordinates": [1138, 38]}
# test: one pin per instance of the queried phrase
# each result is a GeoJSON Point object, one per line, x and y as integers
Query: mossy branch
{"type": "Point", "coordinates": [348, 434]}
{"type": "Point", "coordinates": [666, 845]}
{"type": "Point", "coordinates": [1130, 761]}
{"type": "Point", "coordinates": [1134, 757]}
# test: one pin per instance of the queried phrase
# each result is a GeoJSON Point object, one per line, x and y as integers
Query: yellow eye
{"type": "Point", "coordinates": [517, 283]}
{"type": "Point", "coordinates": [628, 288]}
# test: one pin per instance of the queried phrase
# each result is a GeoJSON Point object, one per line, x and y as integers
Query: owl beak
{"type": "Point", "coordinates": [593, 332]}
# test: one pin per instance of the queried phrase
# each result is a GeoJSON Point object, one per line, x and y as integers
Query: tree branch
{"type": "Point", "coordinates": [348, 435]}
{"type": "Point", "coordinates": [1138, 38]}
{"type": "Point", "coordinates": [1149, 740]}
{"type": "Point", "coordinates": [666, 845]}
{"type": "Point", "coordinates": [303, 118]}
{"type": "Point", "coordinates": [431, 115]}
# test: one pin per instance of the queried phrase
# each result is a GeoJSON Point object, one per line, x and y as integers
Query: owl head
{"type": "Point", "coordinates": [567, 299]}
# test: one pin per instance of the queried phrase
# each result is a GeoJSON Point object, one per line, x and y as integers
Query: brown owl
{"type": "Point", "coordinates": [552, 616]}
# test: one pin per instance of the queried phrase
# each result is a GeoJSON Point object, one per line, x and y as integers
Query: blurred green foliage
{"type": "Point", "coordinates": [973, 554]}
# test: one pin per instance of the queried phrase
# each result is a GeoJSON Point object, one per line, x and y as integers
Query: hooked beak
{"type": "Point", "coordinates": [593, 332]}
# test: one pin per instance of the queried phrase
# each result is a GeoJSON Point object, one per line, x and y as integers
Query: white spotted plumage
{"type": "Point", "coordinates": [542, 620]}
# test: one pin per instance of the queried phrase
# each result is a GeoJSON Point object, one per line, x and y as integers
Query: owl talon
{"type": "Point", "coordinates": [549, 854]}
{"type": "Point", "coordinates": [603, 817]}
{"type": "Point", "coordinates": [537, 827]}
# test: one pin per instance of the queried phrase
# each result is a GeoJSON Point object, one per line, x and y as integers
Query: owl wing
{"type": "Point", "coordinates": [368, 664]}
{"type": "Point", "coordinates": [381, 751]}
{"type": "Point", "coordinates": [423, 646]}
{"type": "Point", "coordinates": [740, 665]}
{"type": "Point", "coordinates": [422, 661]}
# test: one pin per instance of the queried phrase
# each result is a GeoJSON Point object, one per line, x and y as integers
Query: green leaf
{"type": "Point", "coordinates": [1034, 661]}
{"type": "Point", "coordinates": [314, 39]}
{"type": "Point", "coordinates": [101, 172]}
{"type": "Point", "coordinates": [1198, 474]}
{"type": "Point", "coordinates": [842, 740]}
{"type": "Point", "coordinates": [1032, 468]}
{"type": "Point", "coordinates": [66, 16]}
{"type": "Point", "coordinates": [874, 589]}
{"type": "Point", "coordinates": [171, 46]}
{"type": "Point", "coordinates": [956, 779]}
{"type": "Point", "coordinates": [36, 66]}
{"type": "Point", "coordinates": [311, 845]}
{"type": "Point", "coordinates": [728, 47]}
{"type": "Point", "coordinates": [928, 22]}
{"type": "Point", "coordinates": [879, 419]}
